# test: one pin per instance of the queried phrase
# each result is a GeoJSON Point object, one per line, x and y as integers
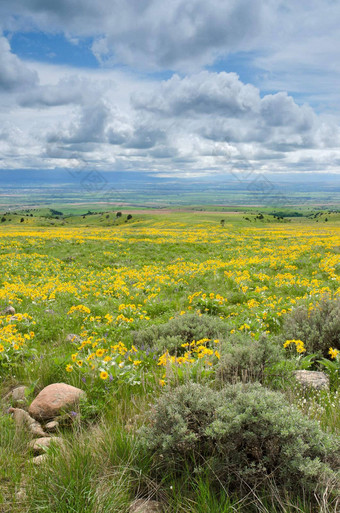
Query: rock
{"type": "Point", "coordinates": [40, 445]}
{"type": "Point", "coordinates": [9, 310]}
{"type": "Point", "coordinates": [318, 380]}
{"type": "Point", "coordinates": [145, 506]}
{"type": "Point", "coordinates": [21, 495]}
{"type": "Point", "coordinates": [36, 430]}
{"type": "Point", "coordinates": [53, 399]}
{"type": "Point", "coordinates": [71, 337]}
{"type": "Point", "coordinates": [23, 419]}
{"type": "Point", "coordinates": [52, 426]}
{"type": "Point", "coordinates": [38, 460]}
{"type": "Point", "coordinates": [17, 396]}
{"type": "Point", "coordinates": [19, 393]}
{"type": "Point", "coordinates": [64, 420]}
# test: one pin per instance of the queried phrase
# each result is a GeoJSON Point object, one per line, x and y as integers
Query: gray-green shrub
{"type": "Point", "coordinates": [185, 328]}
{"type": "Point", "coordinates": [318, 328]}
{"type": "Point", "coordinates": [246, 435]}
{"type": "Point", "coordinates": [245, 359]}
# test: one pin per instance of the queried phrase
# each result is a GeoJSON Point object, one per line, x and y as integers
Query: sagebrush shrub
{"type": "Point", "coordinates": [245, 435]}
{"type": "Point", "coordinates": [185, 328]}
{"type": "Point", "coordinates": [318, 328]}
{"type": "Point", "coordinates": [245, 359]}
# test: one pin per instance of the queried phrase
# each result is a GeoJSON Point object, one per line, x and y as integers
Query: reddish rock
{"type": "Point", "coordinates": [53, 399]}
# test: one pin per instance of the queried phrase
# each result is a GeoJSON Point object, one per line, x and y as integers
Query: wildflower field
{"type": "Point", "coordinates": [133, 312]}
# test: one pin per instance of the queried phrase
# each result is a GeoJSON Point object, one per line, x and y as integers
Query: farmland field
{"type": "Point", "coordinates": [107, 287]}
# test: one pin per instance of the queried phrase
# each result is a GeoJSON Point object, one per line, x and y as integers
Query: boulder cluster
{"type": "Point", "coordinates": [50, 409]}
{"type": "Point", "coordinates": [44, 414]}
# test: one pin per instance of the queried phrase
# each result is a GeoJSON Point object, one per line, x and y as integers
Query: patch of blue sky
{"type": "Point", "coordinates": [53, 48]}
{"type": "Point", "coordinates": [240, 63]}
{"type": "Point", "coordinates": [57, 49]}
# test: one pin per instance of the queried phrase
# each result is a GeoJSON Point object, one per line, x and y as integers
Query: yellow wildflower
{"type": "Point", "coordinates": [299, 345]}
{"type": "Point", "coordinates": [333, 352]}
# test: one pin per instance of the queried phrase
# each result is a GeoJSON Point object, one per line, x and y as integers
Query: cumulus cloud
{"type": "Point", "coordinates": [147, 33]}
{"type": "Point", "coordinates": [68, 90]}
{"type": "Point", "coordinates": [196, 119]}
{"type": "Point", "coordinates": [202, 93]}
{"type": "Point", "coordinates": [300, 36]}
{"type": "Point", "coordinates": [293, 46]}
{"type": "Point", "coordinates": [219, 107]}
{"type": "Point", "coordinates": [206, 120]}
{"type": "Point", "coordinates": [14, 74]}
{"type": "Point", "coordinates": [89, 127]}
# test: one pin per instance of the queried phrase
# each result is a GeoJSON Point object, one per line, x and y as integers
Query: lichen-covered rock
{"type": "Point", "coordinates": [72, 337]}
{"type": "Point", "coordinates": [38, 460]}
{"type": "Point", "coordinates": [145, 506]}
{"type": "Point", "coordinates": [315, 379]}
{"type": "Point", "coordinates": [9, 310]}
{"type": "Point", "coordinates": [21, 495]}
{"type": "Point", "coordinates": [53, 399]}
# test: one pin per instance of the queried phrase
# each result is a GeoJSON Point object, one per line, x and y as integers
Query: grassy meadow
{"type": "Point", "coordinates": [157, 305]}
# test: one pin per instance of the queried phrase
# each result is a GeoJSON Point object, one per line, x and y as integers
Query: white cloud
{"type": "Point", "coordinates": [205, 121]}
{"type": "Point", "coordinates": [196, 120]}
{"type": "Point", "coordinates": [68, 90]}
{"type": "Point", "coordinates": [146, 33]}
{"type": "Point", "coordinates": [201, 94]}
{"type": "Point", "coordinates": [14, 74]}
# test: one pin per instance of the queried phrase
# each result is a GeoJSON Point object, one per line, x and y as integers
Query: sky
{"type": "Point", "coordinates": [176, 88]}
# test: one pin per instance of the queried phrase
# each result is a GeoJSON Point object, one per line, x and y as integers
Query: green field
{"type": "Point", "coordinates": [189, 327]}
